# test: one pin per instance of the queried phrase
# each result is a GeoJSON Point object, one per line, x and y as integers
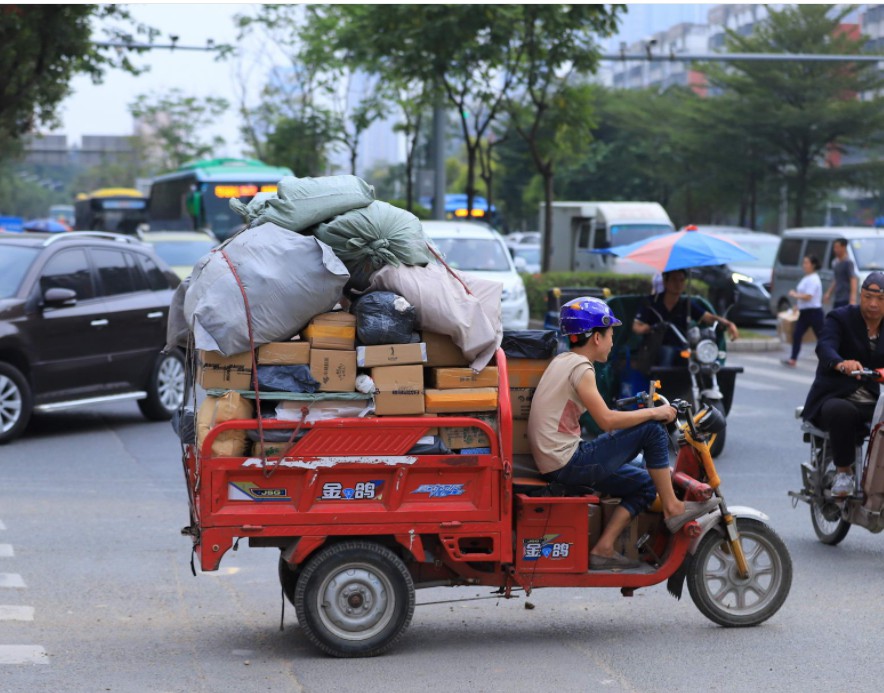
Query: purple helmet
{"type": "Point", "coordinates": [584, 314]}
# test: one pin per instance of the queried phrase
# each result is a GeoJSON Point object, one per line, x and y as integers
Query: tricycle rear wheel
{"type": "Point", "coordinates": [728, 599]}
{"type": "Point", "coordinates": [354, 599]}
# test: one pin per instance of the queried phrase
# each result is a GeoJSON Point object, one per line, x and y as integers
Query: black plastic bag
{"type": "Point", "coordinates": [383, 317]}
{"type": "Point", "coordinates": [287, 379]}
{"type": "Point", "coordinates": [530, 344]}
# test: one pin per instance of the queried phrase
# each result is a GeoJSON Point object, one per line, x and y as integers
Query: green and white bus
{"type": "Point", "coordinates": [197, 196]}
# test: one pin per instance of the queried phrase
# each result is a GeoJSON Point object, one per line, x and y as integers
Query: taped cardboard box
{"type": "Point", "coordinates": [786, 327]}
{"type": "Point", "coordinates": [451, 378]}
{"type": "Point", "coordinates": [460, 437]}
{"type": "Point", "coordinates": [216, 371]}
{"type": "Point", "coordinates": [520, 400]}
{"type": "Point", "coordinates": [215, 410]}
{"type": "Point", "coordinates": [442, 351]}
{"type": "Point", "coordinates": [520, 437]}
{"type": "Point", "coordinates": [461, 401]}
{"type": "Point", "coordinates": [399, 390]}
{"type": "Point", "coordinates": [334, 369]}
{"type": "Point", "coordinates": [391, 355]}
{"type": "Point", "coordinates": [335, 330]}
{"type": "Point", "coordinates": [526, 372]}
{"type": "Point", "coordinates": [284, 354]}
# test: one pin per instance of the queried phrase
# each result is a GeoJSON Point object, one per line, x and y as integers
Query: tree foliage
{"type": "Point", "coordinates": [176, 125]}
{"type": "Point", "coordinates": [44, 46]}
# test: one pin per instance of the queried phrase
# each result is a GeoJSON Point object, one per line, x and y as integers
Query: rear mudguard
{"type": "Point", "coordinates": [711, 522]}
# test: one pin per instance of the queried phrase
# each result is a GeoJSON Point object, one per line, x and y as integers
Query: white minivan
{"type": "Point", "coordinates": [477, 249]}
{"type": "Point", "coordinates": [865, 246]}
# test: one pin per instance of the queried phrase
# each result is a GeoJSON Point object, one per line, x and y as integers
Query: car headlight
{"type": "Point", "coordinates": [740, 277]}
{"type": "Point", "coordinates": [513, 293]}
{"type": "Point", "coordinates": [706, 351]}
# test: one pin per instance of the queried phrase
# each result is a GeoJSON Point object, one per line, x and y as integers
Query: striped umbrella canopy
{"type": "Point", "coordinates": [680, 250]}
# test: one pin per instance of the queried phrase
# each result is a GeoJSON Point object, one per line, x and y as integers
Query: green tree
{"type": "Point", "coordinates": [799, 112]}
{"type": "Point", "coordinates": [44, 46]}
{"type": "Point", "coordinates": [176, 125]}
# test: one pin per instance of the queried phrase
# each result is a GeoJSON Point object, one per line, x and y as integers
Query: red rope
{"type": "Point", "coordinates": [451, 271]}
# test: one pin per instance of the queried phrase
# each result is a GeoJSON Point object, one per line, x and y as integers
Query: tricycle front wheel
{"type": "Point", "coordinates": [728, 599]}
{"type": "Point", "coordinates": [354, 599]}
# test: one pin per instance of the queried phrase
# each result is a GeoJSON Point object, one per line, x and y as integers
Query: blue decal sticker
{"type": "Point", "coordinates": [440, 490]}
{"type": "Point", "coordinates": [250, 491]}
{"type": "Point", "coordinates": [364, 490]}
{"type": "Point", "coordinates": [545, 547]}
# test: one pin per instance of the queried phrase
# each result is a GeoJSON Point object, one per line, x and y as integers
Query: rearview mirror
{"type": "Point", "coordinates": [58, 296]}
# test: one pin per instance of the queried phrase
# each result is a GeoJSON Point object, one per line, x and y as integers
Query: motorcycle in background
{"type": "Point", "coordinates": [832, 516]}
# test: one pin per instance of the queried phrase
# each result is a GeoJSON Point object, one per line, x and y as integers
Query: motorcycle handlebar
{"type": "Point", "coordinates": [868, 374]}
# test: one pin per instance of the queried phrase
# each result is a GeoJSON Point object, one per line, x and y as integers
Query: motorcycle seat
{"type": "Point", "coordinates": [807, 427]}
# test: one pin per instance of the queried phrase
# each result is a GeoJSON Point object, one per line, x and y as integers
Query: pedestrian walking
{"type": "Point", "coordinates": [843, 287]}
{"type": "Point", "coordinates": [809, 297]}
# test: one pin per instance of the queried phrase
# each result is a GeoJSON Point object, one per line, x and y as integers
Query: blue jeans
{"type": "Point", "coordinates": [604, 464]}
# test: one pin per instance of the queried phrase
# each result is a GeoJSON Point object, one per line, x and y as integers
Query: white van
{"type": "Point", "coordinates": [865, 246]}
{"type": "Point", "coordinates": [477, 249]}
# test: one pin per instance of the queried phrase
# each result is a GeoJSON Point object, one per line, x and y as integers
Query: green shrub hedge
{"type": "Point", "coordinates": [537, 286]}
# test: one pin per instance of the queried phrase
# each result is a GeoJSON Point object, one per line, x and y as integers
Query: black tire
{"type": "Point", "coordinates": [165, 389]}
{"type": "Point", "coordinates": [720, 438]}
{"type": "Point", "coordinates": [16, 403]}
{"type": "Point", "coordinates": [725, 598]}
{"type": "Point", "coordinates": [825, 516]}
{"type": "Point", "coordinates": [288, 578]}
{"type": "Point", "coordinates": [354, 599]}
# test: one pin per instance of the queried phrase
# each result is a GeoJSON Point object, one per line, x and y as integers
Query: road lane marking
{"type": "Point", "coordinates": [6, 551]}
{"type": "Point", "coordinates": [11, 580]}
{"type": "Point", "coordinates": [10, 612]}
{"type": "Point", "coordinates": [2, 526]}
{"type": "Point", "coordinates": [23, 654]}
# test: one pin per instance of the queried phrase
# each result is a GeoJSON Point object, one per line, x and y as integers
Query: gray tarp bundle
{"type": "Point", "coordinates": [300, 203]}
{"type": "Point", "coordinates": [288, 279]}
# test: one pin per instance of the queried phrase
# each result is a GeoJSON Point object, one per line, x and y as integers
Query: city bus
{"type": "Point", "coordinates": [120, 210]}
{"type": "Point", "coordinates": [197, 195]}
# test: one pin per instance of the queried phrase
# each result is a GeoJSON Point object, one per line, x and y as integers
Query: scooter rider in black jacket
{"type": "Point", "coordinates": [850, 340]}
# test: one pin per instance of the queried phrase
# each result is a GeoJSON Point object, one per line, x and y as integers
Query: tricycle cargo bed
{"type": "Point", "coordinates": [356, 477]}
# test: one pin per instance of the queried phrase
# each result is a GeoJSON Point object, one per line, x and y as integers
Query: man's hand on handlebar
{"type": "Point", "coordinates": [665, 413]}
{"type": "Point", "coordinates": [848, 367]}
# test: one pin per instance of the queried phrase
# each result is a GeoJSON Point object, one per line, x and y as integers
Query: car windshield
{"type": "Point", "coordinates": [182, 252]}
{"type": "Point", "coordinates": [764, 250]}
{"type": "Point", "coordinates": [624, 234]}
{"type": "Point", "coordinates": [473, 254]}
{"type": "Point", "coordinates": [14, 263]}
{"type": "Point", "coordinates": [531, 255]}
{"type": "Point", "coordinates": [869, 253]}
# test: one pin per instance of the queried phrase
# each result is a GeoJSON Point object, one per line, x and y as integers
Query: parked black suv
{"type": "Point", "coordinates": [83, 320]}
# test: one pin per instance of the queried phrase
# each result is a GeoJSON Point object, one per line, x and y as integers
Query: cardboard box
{"type": "Point", "coordinates": [786, 327]}
{"type": "Point", "coordinates": [332, 331]}
{"type": "Point", "coordinates": [284, 354]}
{"type": "Point", "coordinates": [399, 390]}
{"type": "Point", "coordinates": [224, 372]}
{"type": "Point", "coordinates": [271, 449]}
{"type": "Point", "coordinates": [442, 351]}
{"type": "Point", "coordinates": [465, 400]}
{"type": "Point", "coordinates": [391, 355]}
{"type": "Point", "coordinates": [643, 523]}
{"type": "Point", "coordinates": [461, 437]}
{"type": "Point", "coordinates": [526, 372]}
{"type": "Point", "coordinates": [520, 437]}
{"type": "Point", "coordinates": [450, 378]}
{"type": "Point", "coordinates": [334, 369]}
{"type": "Point", "coordinates": [520, 400]}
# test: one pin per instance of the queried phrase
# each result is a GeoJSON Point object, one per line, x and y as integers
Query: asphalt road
{"type": "Point", "coordinates": [96, 590]}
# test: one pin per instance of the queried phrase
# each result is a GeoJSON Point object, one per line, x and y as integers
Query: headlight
{"type": "Point", "coordinates": [707, 351]}
{"type": "Point", "coordinates": [513, 293]}
{"type": "Point", "coordinates": [740, 277]}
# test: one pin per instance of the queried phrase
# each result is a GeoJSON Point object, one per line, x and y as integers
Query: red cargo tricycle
{"type": "Point", "coordinates": [362, 521]}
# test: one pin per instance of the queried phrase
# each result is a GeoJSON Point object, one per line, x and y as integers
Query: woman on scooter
{"type": "Point", "coordinates": [850, 340]}
{"type": "Point", "coordinates": [568, 389]}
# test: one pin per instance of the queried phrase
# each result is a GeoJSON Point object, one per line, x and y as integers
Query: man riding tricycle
{"type": "Point", "coordinates": [364, 513]}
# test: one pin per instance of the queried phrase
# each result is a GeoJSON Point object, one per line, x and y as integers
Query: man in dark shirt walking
{"type": "Point", "coordinates": [844, 284]}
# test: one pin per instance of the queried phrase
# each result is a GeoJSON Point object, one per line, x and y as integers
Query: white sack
{"type": "Point", "coordinates": [288, 279]}
{"type": "Point", "coordinates": [442, 305]}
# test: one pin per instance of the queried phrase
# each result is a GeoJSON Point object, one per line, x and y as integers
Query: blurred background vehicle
{"type": "Point", "coordinates": [119, 210]}
{"type": "Point", "coordinates": [526, 257]}
{"type": "Point", "coordinates": [83, 321]}
{"type": "Point", "coordinates": [476, 249]}
{"type": "Point", "coordinates": [740, 289]}
{"type": "Point", "coordinates": [180, 249]}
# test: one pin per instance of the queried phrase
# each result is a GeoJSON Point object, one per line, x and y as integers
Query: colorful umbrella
{"type": "Point", "coordinates": [680, 250]}
{"type": "Point", "coordinates": [46, 226]}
